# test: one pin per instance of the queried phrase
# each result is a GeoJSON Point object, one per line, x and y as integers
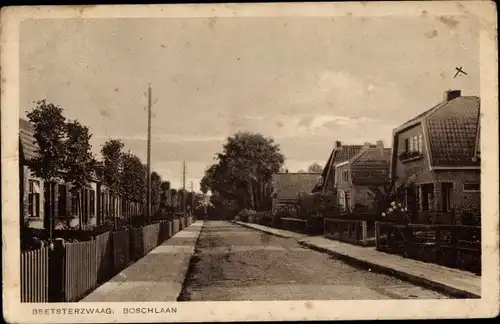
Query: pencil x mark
{"type": "Point", "coordinates": [459, 70]}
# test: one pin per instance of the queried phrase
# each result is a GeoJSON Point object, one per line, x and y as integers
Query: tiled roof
{"type": "Point", "coordinates": [288, 185]}
{"type": "Point", "coordinates": [371, 167]}
{"type": "Point", "coordinates": [338, 155]}
{"type": "Point", "coordinates": [346, 152]}
{"type": "Point", "coordinates": [452, 132]}
{"type": "Point", "coordinates": [422, 115]}
{"type": "Point", "coordinates": [27, 141]}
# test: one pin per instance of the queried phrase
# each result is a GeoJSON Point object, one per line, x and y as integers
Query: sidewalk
{"type": "Point", "coordinates": [452, 281]}
{"type": "Point", "coordinates": [158, 276]}
{"type": "Point", "coordinates": [274, 231]}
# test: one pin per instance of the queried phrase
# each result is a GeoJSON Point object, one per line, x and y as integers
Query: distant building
{"type": "Point", "coordinates": [288, 186]}
{"type": "Point", "coordinates": [351, 172]}
{"type": "Point", "coordinates": [438, 151]}
{"type": "Point", "coordinates": [340, 154]}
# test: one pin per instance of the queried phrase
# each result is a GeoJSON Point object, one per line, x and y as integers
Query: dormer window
{"type": "Point", "coordinates": [413, 148]}
{"type": "Point", "coordinates": [414, 144]}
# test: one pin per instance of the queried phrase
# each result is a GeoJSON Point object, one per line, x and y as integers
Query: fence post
{"type": "Point", "coordinates": [438, 254]}
{"type": "Point", "coordinates": [57, 271]}
{"type": "Point", "coordinates": [377, 235]}
{"type": "Point", "coordinates": [454, 244]}
{"type": "Point", "coordinates": [364, 232]}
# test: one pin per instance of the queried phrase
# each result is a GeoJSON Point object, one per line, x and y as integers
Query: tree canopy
{"type": "Point", "coordinates": [244, 169]}
{"type": "Point", "coordinates": [50, 134]}
{"type": "Point", "coordinates": [315, 168]}
{"type": "Point", "coordinates": [112, 165]}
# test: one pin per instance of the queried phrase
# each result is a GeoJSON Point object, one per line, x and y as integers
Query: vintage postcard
{"type": "Point", "coordinates": [250, 162]}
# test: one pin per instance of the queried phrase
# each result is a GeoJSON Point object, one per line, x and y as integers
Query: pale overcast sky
{"type": "Point", "coordinates": [306, 82]}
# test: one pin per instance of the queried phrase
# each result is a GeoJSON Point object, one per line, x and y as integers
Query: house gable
{"type": "Point", "coordinates": [371, 167]}
{"type": "Point", "coordinates": [449, 135]}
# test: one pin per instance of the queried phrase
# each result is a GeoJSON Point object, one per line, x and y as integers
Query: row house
{"type": "Point", "coordinates": [437, 156]}
{"type": "Point", "coordinates": [36, 197]}
{"type": "Point", "coordinates": [352, 171]}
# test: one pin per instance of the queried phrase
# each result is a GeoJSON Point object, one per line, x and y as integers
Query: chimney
{"type": "Point", "coordinates": [338, 144]}
{"type": "Point", "coordinates": [452, 94]}
{"type": "Point", "coordinates": [380, 146]}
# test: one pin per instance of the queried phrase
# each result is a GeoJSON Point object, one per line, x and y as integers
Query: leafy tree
{"type": "Point", "coordinates": [244, 169]}
{"type": "Point", "coordinates": [50, 133]}
{"type": "Point", "coordinates": [302, 171]}
{"type": "Point", "coordinates": [79, 162]}
{"type": "Point", "coordinates": [133, 178]}
{"type": "Point", "coordinates": [156, 189]}
{"type": "Point", "coordinates": [315, 168]}
{"type": "Point", "coordinates": [111, 169]}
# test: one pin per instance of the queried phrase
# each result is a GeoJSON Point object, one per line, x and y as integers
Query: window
{"type": "Point", "coordinates": [446, 192]}
{"type": "Point", "coordinates": [34, 198]}
{"type": "Point", "coordinates": [92, 203]}
{"type": "Point", "coordinates": [342, 199]}
{"type": "Point", "coordinates": [427, 197]}
{"type": "Point", "coordinates": [472, 187]}
{"type": "Point", "coordinates": [62, 200]}
{"type": "Point", "coordinates": [345, 176]}
{"type": "Point", "coordinates": [74, 204]}
{"type": "Point", "coordinates": [414, 143]}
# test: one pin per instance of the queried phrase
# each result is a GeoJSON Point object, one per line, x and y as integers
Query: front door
{"type": "Point", "coordinates": [412, 202]}
{"type": "Point", "coordinates": [446, 191]}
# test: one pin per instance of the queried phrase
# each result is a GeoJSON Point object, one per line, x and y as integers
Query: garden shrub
{"type": "Point", "coordinates": [469, 215]}
{"type": "Point", "coordinates": [264, 218]}
{"type": "Point", "coordinates": [315, 224]}
{"type": "Point", "coordinates": [245, 213]}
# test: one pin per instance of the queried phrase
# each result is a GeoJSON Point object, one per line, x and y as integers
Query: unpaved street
{"type": "Point", "coordinates": [236, 263]}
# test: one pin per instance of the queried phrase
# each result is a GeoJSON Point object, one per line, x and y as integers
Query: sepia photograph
{"type": "Point", "coordinates": [273, 158]}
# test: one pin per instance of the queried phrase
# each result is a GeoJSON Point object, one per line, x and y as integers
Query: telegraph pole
{"type": "Point", "coordinates": [183, 187]}
{"type": "Point", "coordinates": [148, 210]}
{"type": "Point", "coordinates": [192, 198]}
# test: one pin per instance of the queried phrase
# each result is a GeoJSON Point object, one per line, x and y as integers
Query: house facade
{"type": "Point", "coordinates": [36, 198]}
{"type": "Point", "coordinates": [288, 186]}
{"type": "Point", "coordinates": [340, 154]}
{"type": "Point", "coordinates": [436, 155]}
{"type": "Point", "coordinates": [353, 171]}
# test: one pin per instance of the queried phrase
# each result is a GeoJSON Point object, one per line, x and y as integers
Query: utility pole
{"type": "Point", "coordinates": [183, 187]}
{"type": "Point", "coordinates": [192, 198]}
{"type": "Point", "coordinates": [148, 209]}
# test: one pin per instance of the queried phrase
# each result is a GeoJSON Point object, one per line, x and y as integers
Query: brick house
{"type": "Point", "coordinates": [288, 186]}
{"type": "Point", "coordinates": [437, 154]}
{"type": "Point", "coordinates": [351, 172]}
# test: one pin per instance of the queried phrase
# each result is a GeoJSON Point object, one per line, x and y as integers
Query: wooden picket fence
{"type": "Point", "coordinates": [121, 248]}
{"type": "Point", "coordinates": [71, 270]}
{"type": "Point", "coordinates": [176, 225]}
{"type": "Point", "coordinates": [80, 264]}
{"type": "Point", "coordinates": [35, 276]}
